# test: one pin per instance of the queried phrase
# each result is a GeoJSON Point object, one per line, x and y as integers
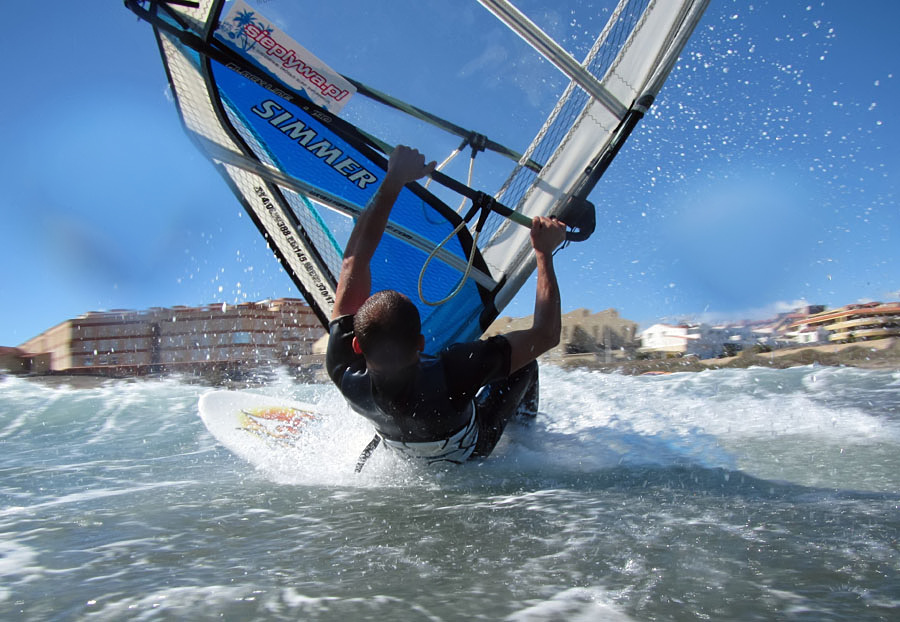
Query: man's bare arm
{"type": "Point", "coordinates": [526, 345]}
{"type": "Point", "coordinates": [355, 282]}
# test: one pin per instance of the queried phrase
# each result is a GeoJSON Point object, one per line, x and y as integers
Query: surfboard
{"type": "Point", "coordinates": [250, 423]}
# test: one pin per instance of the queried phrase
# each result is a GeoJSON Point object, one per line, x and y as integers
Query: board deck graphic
{"type": "Point", "coordinates": [249, 423]}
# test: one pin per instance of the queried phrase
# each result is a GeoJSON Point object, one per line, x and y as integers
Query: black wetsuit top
{"type": "Point", "coordinates": [429, 401]}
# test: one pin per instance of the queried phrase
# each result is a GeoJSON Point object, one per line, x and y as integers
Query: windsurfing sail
{"type": "Point", "coordinates": [267, 112]}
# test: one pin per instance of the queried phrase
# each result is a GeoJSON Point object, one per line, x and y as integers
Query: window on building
{"type": "Point", "coordinates": [241, 338]}
{"type": "Point", "coordinates": [173, 341]}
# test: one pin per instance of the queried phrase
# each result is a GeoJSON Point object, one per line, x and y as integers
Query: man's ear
{"type": "Point", "coordinates": [420, 345]}
{"type": "Point", "coordinates": [356, 347]}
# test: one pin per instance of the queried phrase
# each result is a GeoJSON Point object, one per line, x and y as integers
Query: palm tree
{"type": "Point", "coordinates": [244, 18]}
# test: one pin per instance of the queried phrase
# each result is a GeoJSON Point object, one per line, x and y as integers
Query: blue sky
{"type": "Point", "coordinates": [765, 174]}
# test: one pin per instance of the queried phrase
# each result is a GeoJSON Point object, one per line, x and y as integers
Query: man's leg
{"type": "Point", "coordinates": [499, 401]}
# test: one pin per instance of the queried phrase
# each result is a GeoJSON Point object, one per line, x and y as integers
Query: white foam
{"type": "Point", "coordinates": [91, 495]}
{"type": "Point", "coordinates": [182, 602]}
{"type": "Point", "coordinates": [590, 422]}
{"type": "Point", "coordinates": [18, 563]}
{"type": "Point", "coordinates": [574, 605]}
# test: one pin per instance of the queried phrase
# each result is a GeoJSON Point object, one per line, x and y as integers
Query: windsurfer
{"type": "Point", "coordinates": [451, 407]}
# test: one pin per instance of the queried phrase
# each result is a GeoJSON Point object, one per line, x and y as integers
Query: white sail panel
{"type": "Point", "coordinates": [652, 45]}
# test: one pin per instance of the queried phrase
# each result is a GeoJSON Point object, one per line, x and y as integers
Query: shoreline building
{"type": "Point", "coordinates": [186, 339]}
{"type": "Point", "coordinates": [780, 331]}
{"type": "Point", "coordinates": [700, 340]}
{"type": "Point", "coordinates": [665, 340]}
{"type": "Point", "coordinates": [603, 333]}
{"type": "Point", "coordinates": [728, 339]}
{"type": "Point", "coordinates": [854, 322]}
{"type": "Point", "coordinates": [13, 360]}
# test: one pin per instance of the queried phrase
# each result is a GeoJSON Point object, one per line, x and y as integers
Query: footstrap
{"type": "Point", "coordinates": [366, 453]}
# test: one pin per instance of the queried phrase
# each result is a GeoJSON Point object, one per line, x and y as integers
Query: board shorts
{"type": "Point", "coordinates": [494, 406]}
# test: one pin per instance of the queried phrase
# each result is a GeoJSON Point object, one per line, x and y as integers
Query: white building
{"type": "Point", "coordinates": [665, 339]}
{"type": "Point", "coordinates": [807, 335]}
{"type": "Point", "coordinates": [699, 340]}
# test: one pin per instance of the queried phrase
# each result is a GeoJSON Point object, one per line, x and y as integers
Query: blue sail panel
{"type": "Point", "coordinates": [301, 146]}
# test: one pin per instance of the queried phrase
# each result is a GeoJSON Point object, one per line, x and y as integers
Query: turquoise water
{"type": "Point", "coordinates": [729, 494]}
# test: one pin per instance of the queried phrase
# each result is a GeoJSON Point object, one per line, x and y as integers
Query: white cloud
{"type": "Point", "coordinates": [493, 57]}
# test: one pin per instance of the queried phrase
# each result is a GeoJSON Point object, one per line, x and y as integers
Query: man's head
{"type": "Point", "coordinates": [388, 330]}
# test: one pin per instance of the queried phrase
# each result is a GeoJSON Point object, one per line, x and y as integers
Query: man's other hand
{"type": "Point", "coordinates": [547, 234]}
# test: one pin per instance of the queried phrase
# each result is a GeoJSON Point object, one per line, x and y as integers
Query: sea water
{"type": "Point", "coordinates": [726, 495]}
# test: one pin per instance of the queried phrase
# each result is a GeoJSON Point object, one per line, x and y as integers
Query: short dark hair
{"type": "Point", "coordinates": [387, 326]}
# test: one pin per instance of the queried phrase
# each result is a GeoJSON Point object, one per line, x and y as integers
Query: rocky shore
{"type": "Point", "coordinates": [880, 354]}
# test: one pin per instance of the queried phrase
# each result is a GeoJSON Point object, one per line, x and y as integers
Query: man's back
{"type": "Point", "coordinates": [428, 401]}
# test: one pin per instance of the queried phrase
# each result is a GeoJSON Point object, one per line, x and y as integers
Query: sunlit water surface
{"type": "Point", "coordinates": [730, 494]}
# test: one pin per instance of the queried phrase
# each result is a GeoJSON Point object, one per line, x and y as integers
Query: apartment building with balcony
{"type": "Point", "coordinates": [855, 322]}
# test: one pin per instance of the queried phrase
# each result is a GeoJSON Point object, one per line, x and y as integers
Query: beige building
{"type": "Point", "coordinates": [583, 332]}
{"type": "Point", "coordinates": [12, 360]}
{"type": "Point", "coordinates": [124, 342]}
